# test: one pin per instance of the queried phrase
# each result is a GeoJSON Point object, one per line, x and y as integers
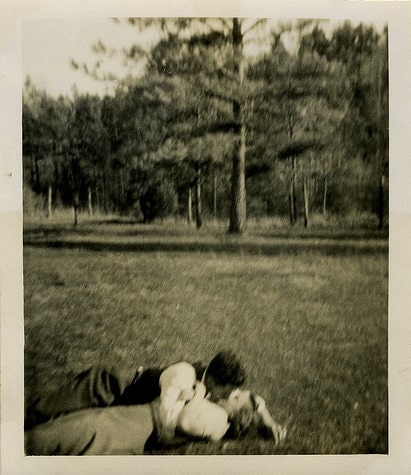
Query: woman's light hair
{"type": "Point", "coordinates": [243, 419]}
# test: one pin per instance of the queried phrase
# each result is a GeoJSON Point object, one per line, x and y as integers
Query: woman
{"type": "Point", "coordinates": [125, 430]}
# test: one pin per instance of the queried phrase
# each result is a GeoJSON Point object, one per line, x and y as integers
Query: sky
{"type": "Point", "coordinates": [49, 45]}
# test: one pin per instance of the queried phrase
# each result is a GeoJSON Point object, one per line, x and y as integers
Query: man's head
{"type": "Point", "coordinates": [224, 374]}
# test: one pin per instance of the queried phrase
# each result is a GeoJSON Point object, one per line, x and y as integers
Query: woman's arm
{"type": "Point", "coordinates": [274, 429]}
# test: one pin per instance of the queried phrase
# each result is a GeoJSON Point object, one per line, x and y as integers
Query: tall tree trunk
{"type": "Point", "coordinates": [294, 179]}
{"type": "Point", "coordinates": [215, 195]}
{"type": "Point", "coordinates": [105, 204]}
{"type": "Point", "coordinates": [36, 162]}
{"type": "Point", "coordinates": [33, 172]}
{"type": "Point", "coordinates": [89, 202]}
{"type": "Point", "coordinates": [291, 204]}
{"type": "Point", "coordinates": [119, 199]}
{"type": "Point", "coordinates": [49, 201]}
{"type": "Point", "coordinates": [123, 198]}
{"type": "Point", "coordinates": [381, 202]}
{"type": "Point", "coordinates": [199, 220]}
{"type": "Point", "coordinates": [56, 182]}
{"type": "Point", "coordinates": [380, 160]}
{"type": "Point", "coordinates": [190, 205]}
{"type": "Point", "coordinates": [292, 194]}
{"type": "Point", "coordinates": [306, 203]}
{"type": "Point", "coordinates": [325, 196]}
{"type": "Point", "coordinates": [76, 207]}
{"type": "Point", "coordinates": [238, 198]}
{"type": "Point", "coordinates": [98, 195]}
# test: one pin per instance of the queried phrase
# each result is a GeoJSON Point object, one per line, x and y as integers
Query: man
{"type": "Point", "coordinates": [98, 387]}
{"type": "Point", "coordinates": [221, 377]}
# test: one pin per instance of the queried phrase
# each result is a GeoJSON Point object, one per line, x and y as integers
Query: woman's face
{"type": "Point", "coordinates": [238, 399]}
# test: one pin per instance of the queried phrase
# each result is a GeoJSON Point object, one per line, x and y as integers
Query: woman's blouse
{"type": "Point", "coordinates": [203, 418]}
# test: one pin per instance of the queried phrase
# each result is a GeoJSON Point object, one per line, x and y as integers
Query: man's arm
{"type": "Point", "coordinates": [177, 386]}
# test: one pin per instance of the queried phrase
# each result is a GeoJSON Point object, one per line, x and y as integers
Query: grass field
{"type": "Point", "coordinates": [306, 311]}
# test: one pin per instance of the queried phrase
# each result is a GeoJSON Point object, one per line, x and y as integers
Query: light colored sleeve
{"type": "Point", "coordinates": [176, 384]}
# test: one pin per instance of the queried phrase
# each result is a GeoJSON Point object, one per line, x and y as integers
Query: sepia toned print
{"type": "Point", "coordinates": [222, 189]}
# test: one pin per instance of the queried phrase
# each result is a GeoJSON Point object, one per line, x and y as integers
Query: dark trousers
{"type": "Point", "coordinates": [95, 387]}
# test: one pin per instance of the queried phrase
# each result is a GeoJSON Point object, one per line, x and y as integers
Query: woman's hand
{"type": "Point", "coordinates": [279, 433]}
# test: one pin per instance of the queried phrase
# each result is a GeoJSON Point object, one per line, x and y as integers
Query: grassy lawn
{"type": "Point", "coordinates": [306, 313]}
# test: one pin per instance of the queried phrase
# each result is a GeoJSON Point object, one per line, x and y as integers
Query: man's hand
{"type": "Point", "coordinates": [200, 390]}
{"type": "Point", "coordinates": [186, 394]}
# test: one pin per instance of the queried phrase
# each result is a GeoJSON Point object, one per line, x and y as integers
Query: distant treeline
{"type": "Point", "coordinates": [207, 132]}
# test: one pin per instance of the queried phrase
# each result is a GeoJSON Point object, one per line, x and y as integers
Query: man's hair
{"type": "Point", "coordinates": [225, 368]}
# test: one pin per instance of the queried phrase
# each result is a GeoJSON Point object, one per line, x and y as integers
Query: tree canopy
{"type": "Point", "coordinates": [302, 131]}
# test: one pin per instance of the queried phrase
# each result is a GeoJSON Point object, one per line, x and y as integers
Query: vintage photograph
{"type": "Point", "coordinates": [205, 235]}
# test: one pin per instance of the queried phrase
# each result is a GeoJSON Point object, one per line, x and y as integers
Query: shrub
{"type": "Point", "coordinates": [158, 201]}
{"type": "Point", "coordinates": [32, 202]}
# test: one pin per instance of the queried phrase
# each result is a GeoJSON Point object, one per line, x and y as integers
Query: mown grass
{"type": "Point", "coordinates": [310, 324]}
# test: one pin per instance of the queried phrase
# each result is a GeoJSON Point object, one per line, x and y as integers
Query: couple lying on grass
{"type": "Point", "coordinates": [104, 413]}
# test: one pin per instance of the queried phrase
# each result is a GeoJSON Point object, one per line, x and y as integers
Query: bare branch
{"type": "Point", "coordinates": [259, 22]}
{"type": "Point", "coordinates": [99, 47]}
{"type": "Point", "coordinates": [135, 52]}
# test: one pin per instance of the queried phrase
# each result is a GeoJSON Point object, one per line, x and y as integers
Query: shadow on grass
{"type": "Point", "coordinates": [353, 234]}
{"type": "Point", "coordinates": [271, 249]}
{"type": "Point", "coordinates": [105, 222]}
{"type": "Point", "coordinates": [124, 229]}
{"type": "Point", "coordinates": [133, 229]}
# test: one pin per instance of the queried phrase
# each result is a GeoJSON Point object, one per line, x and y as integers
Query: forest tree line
{"type": "Point", "coordinates": [208, 132]}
